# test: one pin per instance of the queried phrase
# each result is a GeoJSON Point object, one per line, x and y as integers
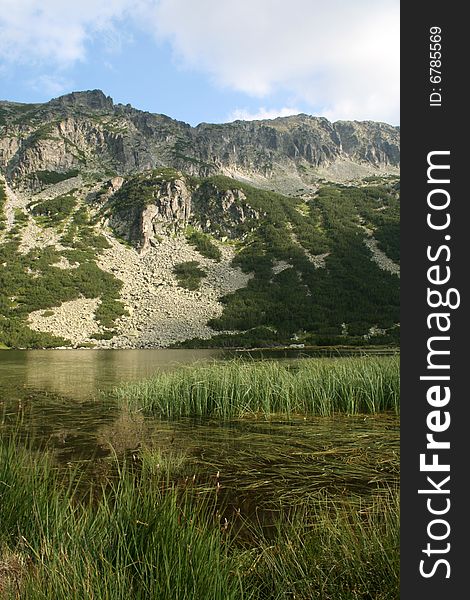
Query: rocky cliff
{"type": "Point", "coordinates": [86, 131]}
{"type": "Point", "coordinates": [120, 228]}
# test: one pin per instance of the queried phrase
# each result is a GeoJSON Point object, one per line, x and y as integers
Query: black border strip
{"type": "Point", "coordinates": [426, 128]}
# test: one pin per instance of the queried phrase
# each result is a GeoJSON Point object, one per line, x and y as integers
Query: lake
{"type": "Point", "coordinates": [60, 399]}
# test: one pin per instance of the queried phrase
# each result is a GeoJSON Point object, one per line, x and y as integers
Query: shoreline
{"type": "Point", "coordinates": [370, 350]}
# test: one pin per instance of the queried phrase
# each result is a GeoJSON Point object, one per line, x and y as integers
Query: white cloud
{"type": "Point", "coordinates": [51, 85]}
{"type": "Point", "coordinates": [243, 114]}
{"type": "Point", "coordinates": [339, 56]}
{"type": "Point", "coordinates": [55, 31]}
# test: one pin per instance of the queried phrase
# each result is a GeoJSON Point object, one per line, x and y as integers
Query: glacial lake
{"type": "Point", "coordinates": [61, 400]}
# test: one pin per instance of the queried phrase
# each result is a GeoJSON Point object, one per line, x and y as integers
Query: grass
{"type": "Point", "coordinates": [271, 462]}
{"type": "Point", "coordinates": [129, 537]}
{"type": "Point", "coordinates": [237, 388]}
{"type": "Point", "coordinates": [329, 551]}
{"type": "Point", "coordinates": [134, 534]}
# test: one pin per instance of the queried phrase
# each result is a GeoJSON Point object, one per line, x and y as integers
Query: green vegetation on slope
{"type": "Point", "coordinates": [203, 244]}
{"type": "Point", "coordinates": [81, 236]}
{"type": "Point", "coordinates": [55, 209]}
{"type": "Point", "coordinates": [23, 293]}
{"type": "Point", "coordinates": [3, 198]}
{"type": "Point", "coordinates": [34, 281]}
{"type": "Point", "coordinates": [51, 177]}
{"type": "Point", "coordinates": [139, 191]}
{"type": "Point", "coordinates": [189, 274]}
{"type": "Point", "coordinates": [303, 300]}
{"type": "Point", "coordinates": [314, 278]}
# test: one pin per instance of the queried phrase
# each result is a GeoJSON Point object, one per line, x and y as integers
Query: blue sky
{"type": "Point", "coordinates": [208, 60]}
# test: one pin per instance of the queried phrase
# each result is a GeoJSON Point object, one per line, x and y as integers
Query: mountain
{"type": "Point", "coordinates": [85, 131]}
{"type": "Point", "coordinates": [121, 228]}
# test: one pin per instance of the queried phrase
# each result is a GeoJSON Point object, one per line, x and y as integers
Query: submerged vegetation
{"type": "Point", "coordinates": [137, 534]}
{"type": "Point", "coordinates": [238, 388]}
{"type": "Point", "coordinates": [265, 510]}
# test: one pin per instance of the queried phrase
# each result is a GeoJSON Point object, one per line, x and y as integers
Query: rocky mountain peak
{"type": "Point", "coordinates": [94, 99]}
{"type": "Point", "coordinates": [85, 132]}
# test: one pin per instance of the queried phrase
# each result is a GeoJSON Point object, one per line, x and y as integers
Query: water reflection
{"type": "Point", "coordinates": [52, 397]}
{"type": "Point", "coordinates": [78, 374]}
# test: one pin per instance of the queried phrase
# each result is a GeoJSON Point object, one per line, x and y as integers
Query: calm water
{"type": "Point", "coordinates": [54, 396]}
{"type": "Point", "coordinates": [79, 374]}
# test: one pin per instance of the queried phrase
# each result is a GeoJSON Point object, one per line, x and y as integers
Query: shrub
{"type": "Point", "coordinates": [189, 274]}
{"type": "Point", "coordinates": [203, 244]}
{"type": "Point", "coordinates": [51, 177]}
{"type": "Point", "coordinates": [55, 209]}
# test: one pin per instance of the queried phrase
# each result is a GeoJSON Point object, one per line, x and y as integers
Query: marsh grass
{"type": "Point", "coordinates": [280, 469]}
{"type": "Point", "coordinates": [139, 537]}
{"type": "Point", "coordinates": [312, 514]}
{"type": "Point", "coordinates": [332, 551]}
{"type": "Point", "coordinates": [136, 538]}
{"type": "Point", "coordinates": [237, 388]}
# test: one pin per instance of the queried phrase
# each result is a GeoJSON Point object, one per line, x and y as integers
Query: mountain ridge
{"type": "Point", "coordinates": [96, 98]}
{"type": "Point", "coordinates": [285, 154]}
{"type": "Point", "coordinates": [123, 229]}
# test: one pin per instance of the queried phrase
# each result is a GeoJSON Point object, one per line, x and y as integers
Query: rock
{"type": "Point", "coordinates": [88, 132]}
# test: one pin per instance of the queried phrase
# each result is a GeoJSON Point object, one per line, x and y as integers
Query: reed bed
{"type": "Point", "coordinates": [291, 473]}
{"type": "Point", "coordinates": [134, 539]}
{"type": "Point", "coordinates": [238, 388]}
{"type": "Point", "coordinates": [332, 551]}
{"type": "Point", "coordinates": [141, 538]}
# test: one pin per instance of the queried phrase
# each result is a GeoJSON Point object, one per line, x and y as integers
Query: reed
{"type": "Point", "coordinates": [332, 551]}
{"type": "Point", "coordinates": [137, 537]}
{"type": "Point", "coordinates": [238, 388]}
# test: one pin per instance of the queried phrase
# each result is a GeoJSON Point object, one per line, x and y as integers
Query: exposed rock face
{"type": "Point", "coordinates": [212, 248]}
{"type": "Point", "coordinates": [88, 132]}
{"type": "Point", "coordinates": [166, 210]}
{"type": "Point", "coordinates": [223, 210]}
{"type": "Point", "coordinates": [170, 211]}
{"type": "Point", "coordinates": [369, 142]}
{"type": "Point", "coordinates": [173, 202]}
{"type": "Point", "coordinates": [94, 99]}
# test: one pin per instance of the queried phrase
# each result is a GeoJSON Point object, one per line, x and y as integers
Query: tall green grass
{"type": "Point", "coordinates": [131, 538]}
{"type": "Point", "coordinates": [134, 536]}
{"type": "Point", "coordinates": [236, 388]}
{"type": "Point", "coordinates": [332, 551]}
